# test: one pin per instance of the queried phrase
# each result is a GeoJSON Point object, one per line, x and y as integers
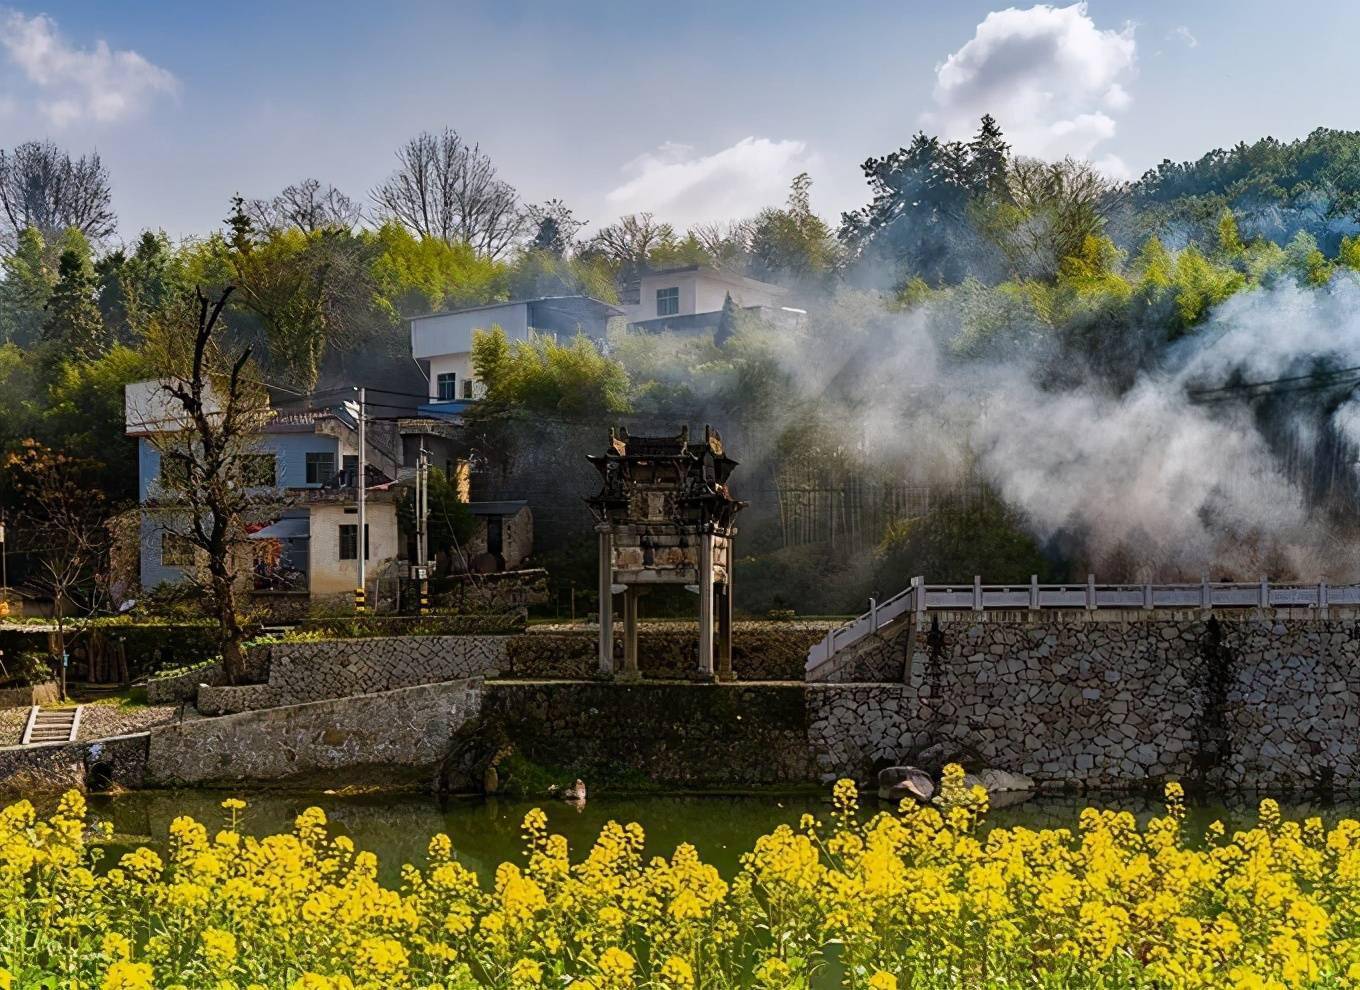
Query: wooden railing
{"type": "Point", "coordinates": [920, 597]}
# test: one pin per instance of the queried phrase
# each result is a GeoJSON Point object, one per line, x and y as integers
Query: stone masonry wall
{"type": "Point", "coordinates": [184, 686]}
{"type": "Point", "coordinates": [118, 761]}
{"type": "Point", "coordinates": [1119, 698]}
{"type": "Point", "coordinates": [389, 738]}
{"type": "Point", "coordinates": [313, 671]}
{"type": "Point", "coordinates": [855, 728]}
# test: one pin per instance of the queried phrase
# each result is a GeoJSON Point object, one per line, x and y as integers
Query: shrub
{"type": "Point", "coordinates": [920, 898]}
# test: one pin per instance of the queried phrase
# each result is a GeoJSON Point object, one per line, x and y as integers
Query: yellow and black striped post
{"type": "Point", "coordinates": [424, 597]}
{"type": "Point", "coordinates": [360, 600]}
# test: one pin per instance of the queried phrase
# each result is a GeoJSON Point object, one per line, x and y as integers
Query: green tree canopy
{"type": "Point", "coordinates": [543, 375]}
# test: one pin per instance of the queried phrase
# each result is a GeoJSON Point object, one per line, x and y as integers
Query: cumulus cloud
{"type": "Point", "coordinates": [73, 84]}
{"type": "Point", "coordinates": [1049, 75]}
{"type": "Point", "coordinates": [684, 187]}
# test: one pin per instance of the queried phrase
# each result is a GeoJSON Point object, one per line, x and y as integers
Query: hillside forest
{"type": "Point", "coordinates": [1008, 366]}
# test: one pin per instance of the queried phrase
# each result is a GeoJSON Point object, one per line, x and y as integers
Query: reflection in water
{"type": "Point", "coordinates": [486, 832]}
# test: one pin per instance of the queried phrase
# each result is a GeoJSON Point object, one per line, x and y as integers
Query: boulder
{"type": "Point", "coordinates": [934, 757]}
{"type": "Point", "coordinates": [896, 783]}
{"type": "Point", "coordinates": [1003, 781]}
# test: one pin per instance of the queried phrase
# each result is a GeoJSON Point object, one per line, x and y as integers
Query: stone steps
{"type": "Point", "coordinates": [52, 725]}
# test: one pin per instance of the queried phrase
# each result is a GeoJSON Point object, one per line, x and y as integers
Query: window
{"type": "Point", "coordinates": [446, 386]}
{"type": "Point", "coordinates": [467, 388]}
{"type": "Point", "coordinates": [668, 301]}
{"type": "Point", "coordinates": [259, 470]}
{"type": "Point", "coordinates": [320, 466]}
{"type": "Point", "coordinates": [176, 551]}
{"type": "Point", "coordinates": [349, 541]}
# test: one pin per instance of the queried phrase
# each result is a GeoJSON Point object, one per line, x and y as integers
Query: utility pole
{"type": "Point", "coordinates": [360, 590]}
{"type": "Point", "coordinates": [423, 527]}
{"type": "Point", "coordinates": [4, 570]}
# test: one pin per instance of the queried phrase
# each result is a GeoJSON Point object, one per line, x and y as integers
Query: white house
{"type": "Point", "coordinates": [309, 457]}
{"type": "Point", "coordinates": [690, 299]}
{"type": "Point", "coordinates": [444, 340]}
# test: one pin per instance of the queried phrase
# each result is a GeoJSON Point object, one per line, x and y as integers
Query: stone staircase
{"type": "Point", "coordinates": [51, 725]}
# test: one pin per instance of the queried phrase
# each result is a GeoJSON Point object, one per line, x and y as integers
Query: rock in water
{"type": "Point", "coordinates": [491, 780]}
{"type": "Point", "coordinates": [576, 792]}
{"type": "Point", "coordinates": [1004, 782]}
{"type": "Point", "coordinates": [896, 783]}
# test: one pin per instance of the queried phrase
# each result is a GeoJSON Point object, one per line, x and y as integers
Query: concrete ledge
{"type": "Point", "coordinates": [399, 735]}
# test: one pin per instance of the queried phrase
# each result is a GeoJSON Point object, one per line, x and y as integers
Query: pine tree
{"type": "Point", "coordinates": [73, 322]}
{"type": "Point", "coordinates": [24, 289]}
{"type": "Point", "coordinates": [727, 322]}
{"type": "Point", "coordinates": [242, 229]}
{"type": "Point", "coordinates": [988, 156]}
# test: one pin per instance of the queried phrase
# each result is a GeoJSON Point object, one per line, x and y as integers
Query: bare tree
{"type": "Point", "coordinates": [728, 244]}
{"type": "Point", "coordinates": [308, 206]}
{"type": "Point", "coordinates": [630, 240]}
{"type": "Point", "coordinates": [215, 411]}
{"type": "Point", "coordinates": [43, 187]}
{"type": "Point", "coordinates": [445, 188]}
{"type": "Point", "coordinates": [66, 539]}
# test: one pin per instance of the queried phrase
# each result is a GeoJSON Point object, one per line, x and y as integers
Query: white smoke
{"type": "Point", "coordinates": [1167, 486]}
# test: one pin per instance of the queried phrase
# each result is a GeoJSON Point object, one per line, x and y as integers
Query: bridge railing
{"type": "Point", "coordinates": [920, 597]}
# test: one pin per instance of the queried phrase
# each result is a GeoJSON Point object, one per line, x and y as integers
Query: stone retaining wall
{"type": "Point", "coordinates": [388, 739]}
{"type": "Point", "coordinates": [45, 693]}
{"type": "Point", "coordinates": [313, 671]}
{"type": "Point", "coordinates": [761, 651]}
{"type": "Point", "coordinates": [853, 729]}
{"type": "Point", "coordinates": [179, 688]}
{"type": "Point", "coordinates": [1118, 698]}
{"type": "Point", "coordinates": [119, 761]}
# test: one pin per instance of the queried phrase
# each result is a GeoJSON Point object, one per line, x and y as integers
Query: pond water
{"type": "Point", "coordinates": [486, 831]}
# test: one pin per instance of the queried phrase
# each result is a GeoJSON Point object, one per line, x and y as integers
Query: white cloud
{"type": "Point", "coordinates": [77, 84]}
{"type": "Point", "coordinates": [683, 187]}
{"type": "Point", "coordinates": [1050, 77]}
{"type": "Point", "coordinates": [1182, 33]}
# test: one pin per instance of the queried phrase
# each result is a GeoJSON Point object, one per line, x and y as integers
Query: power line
{"type": "Point", "coordinates": [1292, 383]}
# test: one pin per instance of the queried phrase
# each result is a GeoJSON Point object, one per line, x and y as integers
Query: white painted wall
{"type": "Point", "coordinates": [149, 408]}
{"type": "Point", "coordinates": [458, 364]}
{"type": "Point", "coordinates": [701, 292]}
{"type": "Point", "coordinates": [451, 333]}
{"type": "Point", "coordinates": [330, 574]}
{"type": "Point", "coordinates": [446, 340]}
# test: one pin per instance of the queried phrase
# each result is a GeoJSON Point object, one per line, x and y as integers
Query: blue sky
{"type": "Point", "coordinates": [696, 110]}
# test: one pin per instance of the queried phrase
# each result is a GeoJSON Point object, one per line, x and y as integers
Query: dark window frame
{"type": "Point", "coordinates": [314, 460]}
{"type": "Point", "coordinates": [671, 298]}
{"type": "Point", "coordinates": [348, 542]}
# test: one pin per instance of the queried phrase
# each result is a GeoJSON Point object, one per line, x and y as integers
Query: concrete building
{"type": "Point", "coordinates": [690, 299]}
{"type": "Point", "coordinates": [309, 457]}
{"type": "Point", "coordinates": [504, 537]}
{"type": "Point", "coordinates": [443, 341]}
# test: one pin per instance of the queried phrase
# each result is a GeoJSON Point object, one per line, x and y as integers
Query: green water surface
{"type": "Point", "coordinates": [486, 831]}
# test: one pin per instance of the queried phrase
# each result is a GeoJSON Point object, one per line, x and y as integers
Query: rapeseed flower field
{"type": "Point", "coordinates": [919, 898]}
